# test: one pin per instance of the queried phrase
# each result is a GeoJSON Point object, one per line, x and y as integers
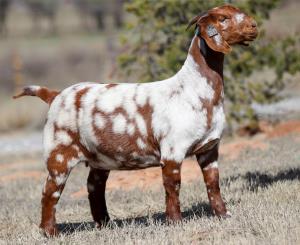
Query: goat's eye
{"type": "Point", "coordinates": [222, 19]}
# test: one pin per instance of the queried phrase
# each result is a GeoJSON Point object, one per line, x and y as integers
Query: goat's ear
{"type": "Point", "coordinates": [211, 35]}
{"type": "Point", "coordinates": [193, 21]}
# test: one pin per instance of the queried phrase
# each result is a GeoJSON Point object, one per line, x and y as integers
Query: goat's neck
{"type": "Point", "coordinates": [204, 62]}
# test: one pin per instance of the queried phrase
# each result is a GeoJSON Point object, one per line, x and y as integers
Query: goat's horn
{"type": "Point", "coordinates": [195, 20]}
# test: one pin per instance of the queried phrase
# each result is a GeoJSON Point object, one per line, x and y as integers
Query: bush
{"type": "Point", "coordinates": [158, 44]}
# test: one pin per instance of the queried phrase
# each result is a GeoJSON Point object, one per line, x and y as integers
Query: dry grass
{"type": "Point", "coordinates": [261, 189]}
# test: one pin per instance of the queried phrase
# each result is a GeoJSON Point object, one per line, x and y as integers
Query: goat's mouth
{"type": "Point", "coordinates": [249, 38]}
{"type": "Point", "coordinates": [245, 42]}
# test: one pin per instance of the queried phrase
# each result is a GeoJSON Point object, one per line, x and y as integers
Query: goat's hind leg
{"type": "Point", "coordinates": [96, 184]}
{"type": "Point", "coordinates": [59, 164]}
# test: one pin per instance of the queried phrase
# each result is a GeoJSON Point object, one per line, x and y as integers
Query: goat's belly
{"type": "Point", "coordinates": [120, 161]}
{"type": "Point", "coordinates": [119, 152]}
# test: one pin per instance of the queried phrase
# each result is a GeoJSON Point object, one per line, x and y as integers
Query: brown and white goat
{"type": "Point", "coordinates": [136, 126]}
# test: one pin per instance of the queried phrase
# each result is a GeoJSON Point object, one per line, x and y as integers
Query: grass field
{"type": "Point", "coordinates": [261, 188]}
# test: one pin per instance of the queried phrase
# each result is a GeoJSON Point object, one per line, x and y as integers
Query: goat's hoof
{"type": "Point", "coordinates": [228, 214]}
{"type": "Point", "coordinates": [224, 215]}
{"type": "Point", "coordinates": [174, 219]}
{"type": "Point", "coordinates": [102, 223]}
{"type": "Point", "coordinates": [50, 231]}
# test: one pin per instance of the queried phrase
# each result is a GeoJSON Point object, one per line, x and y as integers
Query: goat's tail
{"type": "Point", "coordinates": [45, 94]}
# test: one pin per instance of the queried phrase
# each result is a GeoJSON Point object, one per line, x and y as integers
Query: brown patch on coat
{"type": "Point", "coordinates": [206, 104]}
{"type": "Point", "coordinates": [177, 91]}
{"type": "Point", "coordinates": [111, 85]}
{"type": "Point", "coordinates": [75, 142]}
{"type": "Point", "coordinates": [211, 68]}
{"type": "Point", "coordinates": [109, 141]}
{"type": "Point", "coordinates": [78, 97]}
{"type": "Point", "coordinates": [146, 111]}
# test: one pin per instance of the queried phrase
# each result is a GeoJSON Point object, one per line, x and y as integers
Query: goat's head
{"type": "Point", "coordinates": [224, 26]}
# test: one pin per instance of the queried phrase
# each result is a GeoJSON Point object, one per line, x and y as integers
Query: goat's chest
{"type": "Point", "coordinates": [187, 127]}
{"type": "Point", "coordinates": [210, 123]}
{"type": "Point", "coordinates": [215, 123]}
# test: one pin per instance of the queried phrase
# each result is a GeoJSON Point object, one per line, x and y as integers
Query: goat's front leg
{"type": "Point", "coordinates": [172, 180]}
{"type": "Point", "coordinates": [96, 188]}
{"type": "Point", "coordinates": [208, 162]}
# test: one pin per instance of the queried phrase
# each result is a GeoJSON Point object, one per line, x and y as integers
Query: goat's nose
{"type": "Point", "coordinates": [253, 23]}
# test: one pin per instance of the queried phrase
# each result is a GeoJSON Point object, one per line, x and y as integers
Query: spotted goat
{"type": "Point", "coordinates": [136, 126]}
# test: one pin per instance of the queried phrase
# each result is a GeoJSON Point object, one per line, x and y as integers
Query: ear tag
{"type": "Point", "coordinates": [211, 31]}
{"type": "Point", "coordinates": [197, 31]}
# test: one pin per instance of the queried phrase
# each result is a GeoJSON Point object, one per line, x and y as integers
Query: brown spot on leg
{"type": "Point", "coordinates": [172, 181]}
{"type": "Point", "coordinates": [96, 184]}
{"type": "Point", "coordinates": [207, 162]}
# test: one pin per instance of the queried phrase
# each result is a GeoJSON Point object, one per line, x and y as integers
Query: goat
{"type": "Point", "coordinates": [136, 126]}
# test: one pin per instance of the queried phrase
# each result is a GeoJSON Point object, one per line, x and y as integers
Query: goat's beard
{"type": "Point", "coordinates": [244, 43]}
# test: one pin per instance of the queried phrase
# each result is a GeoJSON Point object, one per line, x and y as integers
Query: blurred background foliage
{"type": "Point", "coordinates": [158, 43]}
{"type": "Point", "coordinates": [53, 43]}
{"type": "Point", "coordinates": [57, 43]}
{"type": "Point", "coordinates": [39, 9]}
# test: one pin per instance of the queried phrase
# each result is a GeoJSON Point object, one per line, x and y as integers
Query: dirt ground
{"type": "Point", "coordinates": [260, 181]}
